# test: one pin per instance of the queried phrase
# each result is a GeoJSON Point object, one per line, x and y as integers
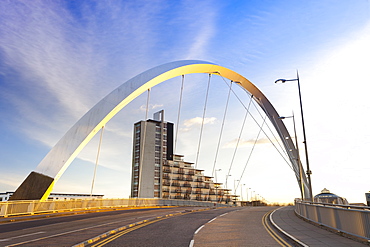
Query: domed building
{"type": "Point", "coordinates": [326, 197]}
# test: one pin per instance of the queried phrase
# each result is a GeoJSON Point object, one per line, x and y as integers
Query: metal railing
{"type": "Point", "coordinates": [12, 208]}
{"type": "Point", "coordinates": [351, 220]}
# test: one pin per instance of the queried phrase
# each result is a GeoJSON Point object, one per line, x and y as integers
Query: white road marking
{"type": "Point", "coordinates": [212, 220]}
{"type": "Point", "coordinates": [198, 229]}
{"type": "Point", "coordinates": [21, 236]}
{"type": "Point", "coordinates": [284, 232]}
{"type": "Point", "coordinates": [191, 243]}
{"type": "Point", "coordinates": [64, 233]}
{"type": "Point", "coordinates": [222, 214]}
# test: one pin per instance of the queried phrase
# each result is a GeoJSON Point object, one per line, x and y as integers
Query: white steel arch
{"type": "Point", "coordinates": [50, 169]}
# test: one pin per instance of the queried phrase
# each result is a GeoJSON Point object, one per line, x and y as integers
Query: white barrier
{"type": "Point", "coordinates": [351, 220]}
{"type": "Point", "coordinates": [11, 208]}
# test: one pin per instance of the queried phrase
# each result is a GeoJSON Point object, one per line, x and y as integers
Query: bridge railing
{"type": "Point", "coordinates": [12, 208]}
{"type": "Point", "coordinates": [347, 219]}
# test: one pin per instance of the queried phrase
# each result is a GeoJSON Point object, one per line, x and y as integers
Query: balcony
{"type": "Point", "coordinates": [199, 185]}
{"type": "Point", "coordinates": [167, 170]}
{"type": "Point", "coordinates": [165, 183]}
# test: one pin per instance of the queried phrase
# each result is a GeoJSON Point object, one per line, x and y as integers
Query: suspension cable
{"type": "Point", "coordinates": [272, 133]}
{"type": "Point", "coordinates": [201, 132]}
{"type": "Point", "coordinates": [237, 143]}
{"type": "Point", "coordinates": [97, 160]}
{"type": "Point", "coordinates": [142, 146]}
{"type": "Point", "coordinates": [178, 112]}
{"type": "Point", "coordinates": [254, 119]}
{"type": "Point", "coordinates": [204, 114]}
{"type": "Point", "coordinates": [222, 128]}
{"type": "Point", "coordinates": [250, 154]}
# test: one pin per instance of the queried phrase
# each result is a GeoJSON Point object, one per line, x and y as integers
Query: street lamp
{"type": "Point", "coordinates": [298, 159]}
{"type": "Point", "coordinates": [308, 172]}
{"type": "Point", "coordinates": [216, 183]}
{"type": "Point", "coordinates": [241, 192]}
{"type": "Point", "coordinates": [235, 180]}
{"type": "Point", "coordinates": [248, 193]}
{"type": "Point", "coordinates": [227, 176]}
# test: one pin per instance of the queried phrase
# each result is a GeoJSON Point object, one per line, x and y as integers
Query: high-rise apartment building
{"type": "Point", "coordinates": [152, 146]}
{"type": "Point", "coordinates": [158, 173]}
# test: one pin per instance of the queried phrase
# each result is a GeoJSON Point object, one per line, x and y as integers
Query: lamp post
{"type": "Point", "coordinates": [241, 192]}
{"type": "Point", "coordinates": [308, 172]}
{"type": "Point", "coordinates": [235, 180]}
{"type": "Point", "coordinates": [298, 159]}
{"type": "Point", "coordinates": [227, 176]}
{"type": "Point", "coordinates": [216, 183]}
{"type": "Point", "coordinates": [248, 193]}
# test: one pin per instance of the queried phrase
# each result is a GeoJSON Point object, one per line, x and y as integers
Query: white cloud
{"type": "Point", "coordinates": [150, 107]}
{"type": "Point", "coordinates": [245, 143]}
{"type": "Point", "coordinates": [198, 121]}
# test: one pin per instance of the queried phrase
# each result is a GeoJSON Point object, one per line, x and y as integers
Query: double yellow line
{"type": "Point", "coordinates": [272, 232]}
{"type": "Point", "coordinates": [130, 229]}
{"type": "Point", "coordinates": [115, 236]}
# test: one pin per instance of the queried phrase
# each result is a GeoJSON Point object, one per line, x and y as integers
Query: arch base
{"type": "Point", "coordinates": [33, 187]}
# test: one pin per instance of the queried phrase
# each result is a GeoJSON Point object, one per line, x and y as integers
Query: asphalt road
{"type": "Point", "coordinates": [244, 227]}
{"type": "Point", "coordinates": [174, 231]}
{"type": "Point", "coordinates": [182, 226]}
{"type": "Point", "coordinates": [72, 229]}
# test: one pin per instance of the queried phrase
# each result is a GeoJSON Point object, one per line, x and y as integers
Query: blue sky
{"type": "Point", "coordinates": [59, 58]}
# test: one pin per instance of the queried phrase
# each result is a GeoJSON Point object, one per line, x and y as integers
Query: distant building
{"type": "Point", "coordinates": [326, 197]}
{"type": "Point", "coordinates": [55, 196]}
{"type": "Point", "coordinates": [158, 173]}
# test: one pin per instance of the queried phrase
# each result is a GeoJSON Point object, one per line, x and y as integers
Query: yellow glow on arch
{"type": "Point", "coordinates": [66, 150]}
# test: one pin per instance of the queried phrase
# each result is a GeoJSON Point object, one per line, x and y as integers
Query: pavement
{"type": "Point", "coordinates": [307, 233]}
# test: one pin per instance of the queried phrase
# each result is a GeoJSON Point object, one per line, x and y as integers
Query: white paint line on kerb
{"type": "Point", "coordinates": [284, 232]}
{"type": "Point", "coordinates": [191, 243]}
{"type": "Point", "coordinates": [198, 229]}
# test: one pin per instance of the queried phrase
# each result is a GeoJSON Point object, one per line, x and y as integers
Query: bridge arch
{"type": "Point", "coordinates": [40, 182]}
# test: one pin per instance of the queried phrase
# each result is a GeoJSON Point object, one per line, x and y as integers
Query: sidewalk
{"type": "Point", "coordinates": [307, 233]}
